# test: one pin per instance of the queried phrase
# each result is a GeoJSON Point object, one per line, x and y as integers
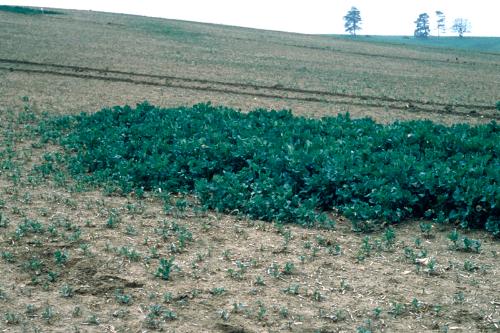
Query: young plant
{"type": "Point", "coordinates": [218, 291]}
{"type": "Point", "coordinates": [289, 268]}
{"type": "Point", "coordinates": [454, 236]}
{"type": "Point", "coordinates": [471, 245]}
{"type": "Point", "coordinates": [61, 257]}
{"type": "Point", "coordinates": [389, 237]}
{"type": "Point", "coordinates": [317, 296]}
{"type": "Point", "coordinates": [426, 229]}
{"type": "Point", "coordinates": [165, 268]}
{"type": "Point", "coordinates": [259, 281]}
{"type": "Point", "coordinates": [261, 311]}
{"type": "Point", "coordinates": [67, 291]}
{"type": "Point", "coordinates": [48, 314]}
{"type": "Point", "coordinates": [123, 298]}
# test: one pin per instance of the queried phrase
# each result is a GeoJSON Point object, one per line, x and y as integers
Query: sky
{"type": "Point", "coordinates": [380, 17]}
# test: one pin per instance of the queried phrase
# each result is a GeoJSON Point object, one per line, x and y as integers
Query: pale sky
{"type": "Point", "coordinates": [380, 17]}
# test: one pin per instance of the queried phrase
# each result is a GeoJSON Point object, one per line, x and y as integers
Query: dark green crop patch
{"type": "Point", "coordinates": [273, 166]}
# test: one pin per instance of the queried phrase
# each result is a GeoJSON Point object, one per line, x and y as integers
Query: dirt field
{"type": "Point", "coordinates": [85, 261]}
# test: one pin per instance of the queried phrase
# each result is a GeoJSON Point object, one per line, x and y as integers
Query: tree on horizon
{"type": "Point", "coordinates": [461, 26]}
{"type": "Point", "coordinates": [441, 26]}
{"type": "Point", "coordinates": [422, 29]}
{"type": "Point", "coordinates": [352, 21]}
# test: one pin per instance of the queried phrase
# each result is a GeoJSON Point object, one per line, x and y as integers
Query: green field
{"type": "Point", "coordinates": [481, 44]}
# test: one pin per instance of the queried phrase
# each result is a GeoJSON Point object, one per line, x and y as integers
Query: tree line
{"type": "Point", "coordinates": [422, 25]}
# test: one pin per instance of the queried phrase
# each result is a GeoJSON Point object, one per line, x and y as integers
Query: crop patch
{"type": "Point", "coordinates": [272, 166]}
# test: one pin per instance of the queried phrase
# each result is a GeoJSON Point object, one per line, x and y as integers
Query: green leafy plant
{"type": "Point", "coordinates": [48, 314]}
{"type": "Point", "coordinates": [165, 268]}
{"type": "Point", "coordinates": [11, 318]}
{"type": "Point", "coordinates": [426, 229]}
{"type": "Point", "coordinates": [272, 166]}
{"type": "Point", "coordinates": [218, 291]}
{"type": "Point", "coordinates": [123, 298]}
{"type": "Point", "coordinates": [61, 257]}
{"type": "Point", "coordinates": [389, 237]}
{"type": "Point", "coordinates": [4, 223]}
{"type": "Point", "coordinates": [67, 291]}
{"type": "Point", "coordinates": [471, 245]}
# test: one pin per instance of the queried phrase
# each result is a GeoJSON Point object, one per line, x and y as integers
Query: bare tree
{"type": "Point", "coordinates": [461, 26]}
{"type": "Point", "coordinates": [441, 27]}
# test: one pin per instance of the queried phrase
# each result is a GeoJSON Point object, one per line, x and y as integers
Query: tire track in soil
{"type": "Point", "coordinates": [269, 91]}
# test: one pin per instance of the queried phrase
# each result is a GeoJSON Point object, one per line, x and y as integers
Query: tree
{"type": "Point", "coordinates": [461, 26]}
{"type": "Point", "coordinates": [441, 27]}
{"type": "Point", "coordinates": [422, 30]}
{"type": "Point", "coordinates": [352, 21]}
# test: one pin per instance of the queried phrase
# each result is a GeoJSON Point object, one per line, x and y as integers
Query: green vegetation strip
{"type": "Point", "coordinates": [27, 10]}
{"type": "Point", "coordinates": [273, 166]}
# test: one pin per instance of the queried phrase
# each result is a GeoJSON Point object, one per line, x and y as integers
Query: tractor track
{"type": "Point", "coordinates": [263, 91]}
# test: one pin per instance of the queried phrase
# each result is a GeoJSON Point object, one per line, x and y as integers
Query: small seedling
{"type": "Point", "coordinates": [52, 276]}
{"type": "Point", "coordinates": [397, 309]}
{"type": "Point", "coordinates": [77, 312]}
{"type": "Point", "coordinates": [93, 320]}
{"type": "Point", "coordinates": [223, 314]}
{"type": "Point", "coordinates": [61, 257]}
{"type": "Point", "coordinates": [11, 318]}
{"type": "Point", "coordinates": [344, 286]}
{"type": "Point", "coordinates": [471, 245]}
{"type": "Point", "coordinates": [431, 266]}
{"type": "Point", "coordinates": [317, 296]}
{"type": "Point", "coordinates": [165, 268]}
{"type": "Point", "coordinates": [48, 314]}
{"type": "Point", "coordinates": [389, 237]}
{"type": "Point", "coordinates": [459, 297]}
{"type": "Point", "coordinates": [7, 256]}
{"type": "Point", "coordinates": [168, 297]}
{"type": "Point", "coordinates": [377, 312]}
{"type": "Point", "coordinates": [238, 307]}
{"type": "Point", "coordinates": [470, 266]}
{"type": "Point", "coordinates": [259, 281]}
{"type": "Point", "coordinates": [274, 270]}
{"type": "Point", "coordinates": [289, 268]}
{"type": "Point", "coordinates": [366, 247]}
{"type": "Point", "coordinates": [4, 223]}
{"type": "Point", "coordinates": [226, 254]}
{"type": "Point", "coordinates": [218, 291]}
{"type": "Point", "coordinates": [416, 305]}
{"type": "Point", "coordinates": [67, 291]}
{"type": "Point", "coordinates": [261, 312]}
{"type": "Point", "coordinates": [454, 237]}
{"type": "Point", "coordinates": [30, 311]}
{"type": "Point", "coordinates": [123, 298]}
{"type": "Point", "coordinates": [426, 229]}
{"type": "Point", "coordinates": [293, 289]}
{"type": "Point", "coordinates": [130, 230]}
{"type": "Point", "coordinates": [112, 222]}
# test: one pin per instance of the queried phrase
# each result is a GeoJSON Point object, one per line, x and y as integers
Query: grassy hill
{"type": "Point", "coordinates": [477, 44]}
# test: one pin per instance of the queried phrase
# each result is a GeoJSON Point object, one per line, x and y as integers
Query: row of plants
{"type": "Point", "coordinates": [274, 166]}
